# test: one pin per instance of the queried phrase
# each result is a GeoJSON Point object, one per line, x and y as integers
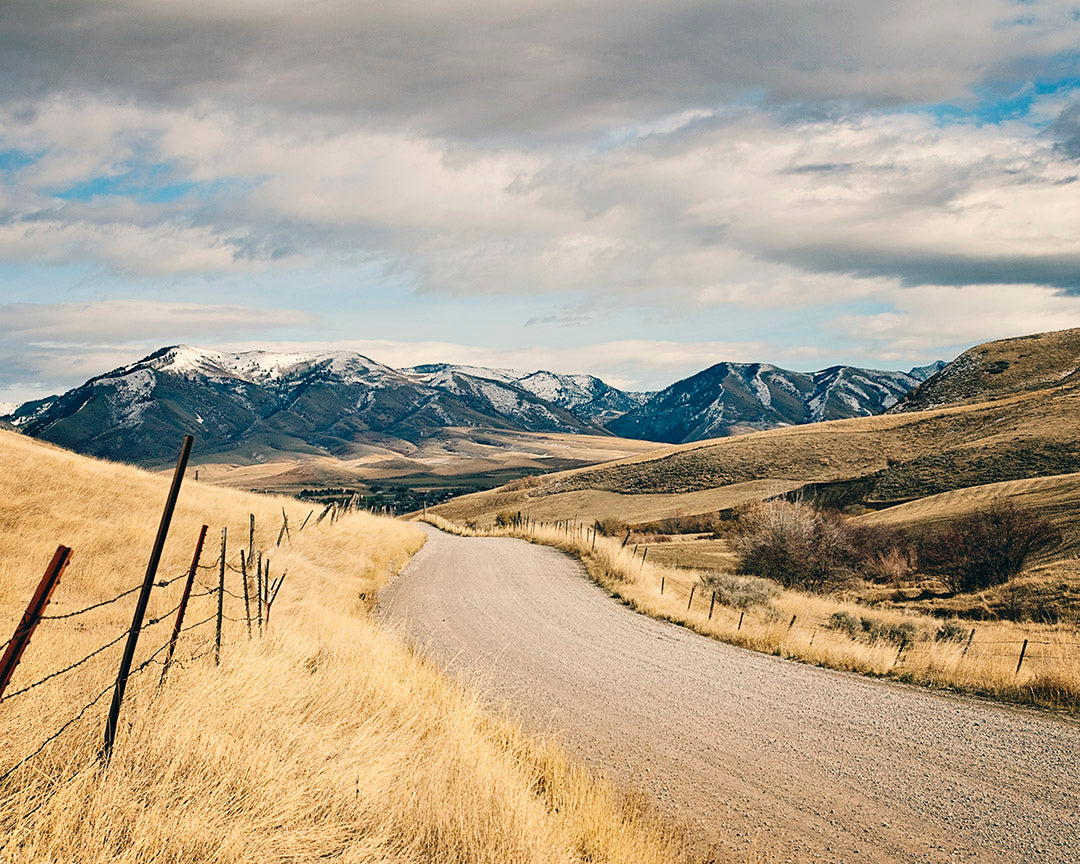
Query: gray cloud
{"type": "Point", "coordinates": [502, 68]}
{"type": "Point", "coordinates": [1065, 131]}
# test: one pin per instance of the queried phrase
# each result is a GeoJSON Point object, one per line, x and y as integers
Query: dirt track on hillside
{"type": "Point", "coordinates": [818, 765]}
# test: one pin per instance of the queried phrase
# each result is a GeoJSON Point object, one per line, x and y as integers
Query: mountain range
{"type": "Point", "coordinates": [253, 403]}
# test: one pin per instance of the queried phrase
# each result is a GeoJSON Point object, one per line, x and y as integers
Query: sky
{"type": "Point", "coordinates": [632, 189]}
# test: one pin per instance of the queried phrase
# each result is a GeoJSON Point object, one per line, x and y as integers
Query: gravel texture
{"type": "Point", "coordinates": [812, 764]}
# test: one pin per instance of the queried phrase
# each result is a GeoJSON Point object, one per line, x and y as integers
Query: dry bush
{"type": "Point", "coordinates": [612, 527]}
{"type": "Point", "coordinates": [795, 544]}
{"type": "Point", "coordinates": [741, 592]}
{"type": "Point", "coordinates": [985, 548]}
{"type": "Point", "coordinates": [871, 629]}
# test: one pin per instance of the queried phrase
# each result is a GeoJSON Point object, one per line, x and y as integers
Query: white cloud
{"type": "Point", "coordinates": [925, 318]}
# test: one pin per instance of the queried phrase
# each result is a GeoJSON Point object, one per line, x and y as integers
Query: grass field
{"type": "Point", "coordinates": [900, 644]}
{"type": "Point", "coordinates": [450, 459]}
{"type": "Point", "coordinates": [325, 739]}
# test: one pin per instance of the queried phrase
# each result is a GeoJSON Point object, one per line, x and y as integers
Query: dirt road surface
{"type": "Point", "coordinates": [817, 765]}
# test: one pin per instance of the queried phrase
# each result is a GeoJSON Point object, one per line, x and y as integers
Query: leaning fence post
{"type": "Point", "coordinates": [1023, 651]}
{"type": "Point", "coordinates": [711, 604]}
{"type": "Point", "coordinates": [220, 600]}
{"type": "Point", "coordinates": [183, 606]}
{"type": "Point", "coordinates": [302, 524]}
{"type": "Point", "coordinates": [968, 644]}
{"type": "Point", "coordinates": [740, 620]}
{"type": "Point", "coordinates": [644, 555]}
{"type": "Point", "coordinates": [144, 598]}
{"type": "Point", "coordinates": [284, 528]}
{"type": "Point", "coordinates": [662, 584]}
{"type": "Point", "coordinates": [691, 600]}
{"type": "Point", "coordinates": [247, 601]}
{"type": "Point", "coordinates": [272, 596]}
{"type": "Point", "coordinates": [792, 624]}
{"type": "Point", "coordinates": [32, 615]}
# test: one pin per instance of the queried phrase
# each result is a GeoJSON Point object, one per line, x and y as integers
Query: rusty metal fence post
{"type": "Point", "coordinates": [32, 615]}
{"type": "Point", "coordinates": [183, 605]}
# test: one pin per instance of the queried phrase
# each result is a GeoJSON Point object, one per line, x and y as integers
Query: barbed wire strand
{"type": "Point", "coordinates": [161, 584]}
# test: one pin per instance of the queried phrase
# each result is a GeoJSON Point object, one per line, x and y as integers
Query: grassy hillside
{"type": "Point", "coordinates": [323, 740]}
{"type": "Point", "coordinates": [996, 369]}
{"type": "Point", "coordinates": [886, 460]}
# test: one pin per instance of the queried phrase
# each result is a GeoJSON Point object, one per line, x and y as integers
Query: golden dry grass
{"type": "Point", "coordinates": [453, 452]}
{"type": "Point", "coordinates": [324, 740]}
{"type": "Point", "coordinates": [1050, 675]}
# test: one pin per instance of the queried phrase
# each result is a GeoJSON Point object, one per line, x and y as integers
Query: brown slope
{"type": "Point", "coordinates": [996, 369]}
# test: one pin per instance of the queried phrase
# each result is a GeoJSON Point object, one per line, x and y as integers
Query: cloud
{"type": "Point", "coordinates": [45, 347]}
{"type": "Point", "coordinates": [145, 321]}
{"type": "Point", "coordinates": [924, 318]}
{"type": "Point", "coordinates": [500, 68]}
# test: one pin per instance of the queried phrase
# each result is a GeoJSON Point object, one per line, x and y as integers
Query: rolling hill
{"type": "Point", "coordinates": [1028, 429]}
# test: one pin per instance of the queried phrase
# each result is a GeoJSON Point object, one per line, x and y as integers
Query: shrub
{"type": "Point", "coordinates": [984, 549]}
{"type": "Point", "coordinates": [951, 631]}
{"type": "Point", "coordinates": [871, 630]}
{"type": "Point", "coordinates": [612, 527]}
{"type": "Point", "coordinates": [506, 518]}
{"type": "Point", "coordinates": [795, 544]}
{"type": "Point", "coordinates": [741, 592]}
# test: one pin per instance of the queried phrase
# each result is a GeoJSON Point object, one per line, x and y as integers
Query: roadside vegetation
{"type": "Point", "coordinates": [792, 597]}
{"type": "Point", "coordinates": [326, 739]}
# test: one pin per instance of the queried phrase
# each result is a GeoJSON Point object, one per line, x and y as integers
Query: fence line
{"type": "Point", "coordinates": [195, 650]}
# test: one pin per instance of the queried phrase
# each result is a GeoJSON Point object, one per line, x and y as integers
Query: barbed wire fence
{"type": "Point", "coordinates": [199, 641]}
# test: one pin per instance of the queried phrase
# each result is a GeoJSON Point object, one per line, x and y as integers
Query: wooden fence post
{"type": "Point", "coordinates": [32, 615]}
{"type": "Point", "coordinates": [258, 592]}
{"type": "Point", "coordinates": [740, 620]}
{"type": "Point", "coordinates": [247, 600]}
{"type": "Point", "coordinates": [967, 645]}
{"type": "Point", "coordinates": [644, 555]}
{"type": "Point", "coordinates": [792, 624]}
{"type": "Point", "coordinates": [662, 584]}
{"type": "Point", "coordinates": [1023, 651]}
{"type": "Point", "coordinates": [183, 605]}
{"type": "Point", "coordinates": [284, 528]}
{"type": "Point", "coordinates": [625, 539]}
{"type": "Point", "coordinates": [711, 604]}
{"type": "Point", "coordinates": [144, 598]}
{"type": "Point", "coordinates": [691, 600]}
{"type": "Point", "coordinates": [251, 537]}
{"type": "Point", "coordinates": [220, 600]}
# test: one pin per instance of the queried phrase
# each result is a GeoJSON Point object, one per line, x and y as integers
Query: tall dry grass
{"type": "Point", "coordinates": [1050, 676]}
{"type": "Point", "coordinates": [324, 740]}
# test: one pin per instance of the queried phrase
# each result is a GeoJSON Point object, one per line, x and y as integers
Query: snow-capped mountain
{"type": "Point", "coordinates": [733, 398]}
{"type": "Point", "coordinates": [256, 402]}
{"type": "Point", "coordinates": [585, 396]}
{"type": "Point", "coordinates": [253, 403]}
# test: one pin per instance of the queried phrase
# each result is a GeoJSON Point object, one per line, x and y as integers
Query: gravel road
{"type": "Point", "coordinates": [817, 765]}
